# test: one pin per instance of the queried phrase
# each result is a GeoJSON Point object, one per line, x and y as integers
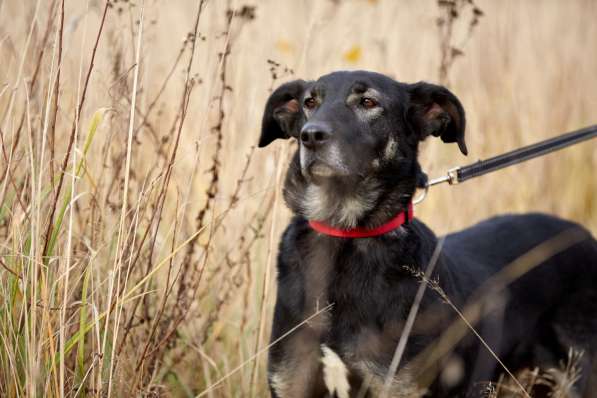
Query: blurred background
{"type": "Point", "coordinates": [139, 223]}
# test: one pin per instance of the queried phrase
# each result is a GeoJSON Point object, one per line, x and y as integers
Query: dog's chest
{"type": "Point", "coordinates": [348, 285]}
{"type": "Point", "coordinates": [344, 283]}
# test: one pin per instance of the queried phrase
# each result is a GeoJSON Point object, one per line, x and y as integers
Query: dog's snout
{"type": "Point", "coordinates": [315, 135]}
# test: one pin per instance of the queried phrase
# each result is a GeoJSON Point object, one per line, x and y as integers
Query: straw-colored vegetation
{"type": "Point", "coordinates": [138, 223]}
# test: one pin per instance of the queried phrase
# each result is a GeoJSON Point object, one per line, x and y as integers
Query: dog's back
{"type": "Point", "coordinates": [536, 275]}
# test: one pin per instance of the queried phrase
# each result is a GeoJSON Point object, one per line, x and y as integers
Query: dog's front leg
{"type": "Point", "coordinates": [295, 368]}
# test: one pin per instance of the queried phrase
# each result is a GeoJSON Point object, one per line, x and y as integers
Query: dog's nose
{"type": "Point", "coordinates": [314, 135]}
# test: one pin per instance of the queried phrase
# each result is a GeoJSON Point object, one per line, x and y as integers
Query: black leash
{"type": "Point", "coordinates": [482, 167]}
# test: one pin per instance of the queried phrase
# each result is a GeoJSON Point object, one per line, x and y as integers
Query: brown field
{"type": "Point", "coordinates": [139, 224]}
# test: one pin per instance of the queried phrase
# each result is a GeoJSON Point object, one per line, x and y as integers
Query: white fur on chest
{"type": "Point", "coordinates": [335, 373]}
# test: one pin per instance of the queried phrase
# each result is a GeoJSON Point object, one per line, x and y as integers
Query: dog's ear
{"type": "Point", "coordinates": [434, 110]}
{"type": "Point", "coordinates": [282, 113]}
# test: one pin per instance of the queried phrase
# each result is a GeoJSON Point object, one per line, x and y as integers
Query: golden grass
{"type": "Point", "coordinates": [146, 267]}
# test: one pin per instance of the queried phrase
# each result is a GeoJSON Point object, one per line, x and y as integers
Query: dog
{"type": "Point", "coordinates": [352, 259]}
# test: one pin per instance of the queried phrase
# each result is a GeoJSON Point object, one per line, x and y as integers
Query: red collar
{"type": "Point", "coordinates": [402, 218]}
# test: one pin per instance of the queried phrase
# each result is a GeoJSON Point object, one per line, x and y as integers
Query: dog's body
{"type": "Point", "coordinates": [357, 167]}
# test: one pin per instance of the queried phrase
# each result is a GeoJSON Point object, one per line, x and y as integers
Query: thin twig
{"type": "Point", "coordinates": [410, 320]}
{"type": "Point", "coordinates": [264, 349]}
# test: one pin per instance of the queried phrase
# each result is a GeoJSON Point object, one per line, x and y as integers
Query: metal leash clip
{"type": "Point", "coordinates": [477, 169]}
{"type": "Point", "coordinates": [451, 178]}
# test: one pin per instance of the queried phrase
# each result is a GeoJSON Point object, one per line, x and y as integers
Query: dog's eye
{"type": "Point", "coordinates": [368, 103]}
{"type": "Point", "coordinates": [310, 103]}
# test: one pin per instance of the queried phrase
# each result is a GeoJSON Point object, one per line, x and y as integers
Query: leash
{"type": "Point", "coordinates": [457, 175]}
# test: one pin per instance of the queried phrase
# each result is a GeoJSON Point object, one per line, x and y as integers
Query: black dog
{"type": "Point", "coordinates": [354, 176]}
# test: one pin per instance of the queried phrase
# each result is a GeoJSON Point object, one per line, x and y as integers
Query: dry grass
{"type": "Point", "coordinates": [138, 224]}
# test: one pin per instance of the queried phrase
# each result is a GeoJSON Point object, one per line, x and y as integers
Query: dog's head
{"type": "Point", "coordinates": [358, 135]}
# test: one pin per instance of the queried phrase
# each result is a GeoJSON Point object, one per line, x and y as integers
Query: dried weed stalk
{"type": "Point", "coordinates": [451, 11]}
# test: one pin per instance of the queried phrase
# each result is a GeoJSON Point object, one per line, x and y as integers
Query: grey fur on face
{"type": "Point", "coordinates": [366, 115]}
